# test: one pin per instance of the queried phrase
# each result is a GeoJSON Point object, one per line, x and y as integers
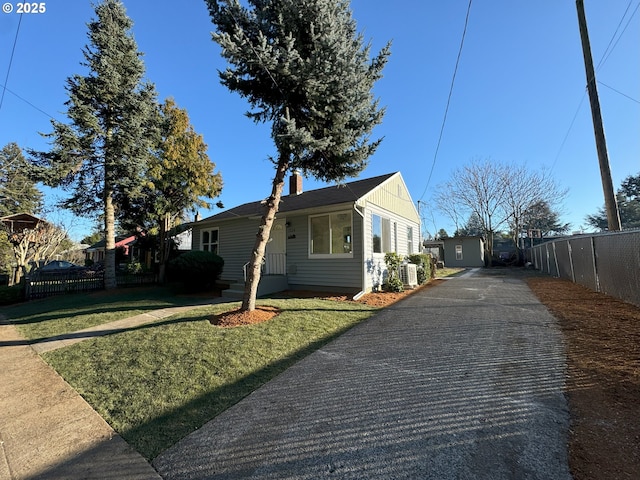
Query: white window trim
{"type": "Point", "coordinates": [409, 239]}
{"type": "Point", "coordinates": [328, 255]}
{"type": "Point", "coordinates": [202, 244]}
{"type": "Point", "coordinates": [388, 234]}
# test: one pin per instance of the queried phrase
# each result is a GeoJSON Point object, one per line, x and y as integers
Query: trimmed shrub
{"type": "Point", "coordinates": [197, 270]}
{"type": "Point", "coordinates": [424, 268]}
{"type": "Point", "coordinates": [11, 295]}
{"type": "Point", "coordinates": [393, 283]}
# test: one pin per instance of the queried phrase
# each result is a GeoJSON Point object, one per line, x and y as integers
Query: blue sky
{"type": "Point", "coordinates": [519, 85]}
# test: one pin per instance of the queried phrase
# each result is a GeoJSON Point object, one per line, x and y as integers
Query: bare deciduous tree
{"type": "Point", "coordinates": [496, 195]}
{"type": "Point", "coordinates": [477, 188]}
{"type": "Point", "coordinates": [524, 190]}
{"type": "Point", "coordinates": [35, 244]}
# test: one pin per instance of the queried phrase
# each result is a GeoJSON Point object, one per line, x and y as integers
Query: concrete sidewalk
{"type": "Point", "coordinates": [461, 381]}
{"type": "Point", "coordinates": [47, 430]}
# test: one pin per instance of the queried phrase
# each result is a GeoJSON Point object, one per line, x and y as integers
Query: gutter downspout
{"type": "Point", "coordinates": [358, 295]}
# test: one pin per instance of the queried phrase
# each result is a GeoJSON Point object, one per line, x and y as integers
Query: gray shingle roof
{"type": "Point", "coordinates": [334, 195]}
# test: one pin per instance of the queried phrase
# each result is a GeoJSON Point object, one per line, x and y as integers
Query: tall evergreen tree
{"type": "Point", "coordinates": [628, 197]}
{"type": "Point", "coordinates": [102, 154]}
{"type": "Point", "coordinates": [541, 216]}
{"type": "Point", "coordinates": [303, 67]}
{"type": "Point", "coordinates": [18, 192]}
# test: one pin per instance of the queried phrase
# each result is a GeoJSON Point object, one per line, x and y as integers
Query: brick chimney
{"type": "Point", "coordinates": [295, 183]}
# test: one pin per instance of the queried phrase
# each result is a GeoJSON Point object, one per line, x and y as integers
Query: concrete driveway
{"type": "Point", "coordinates": [463, 380]}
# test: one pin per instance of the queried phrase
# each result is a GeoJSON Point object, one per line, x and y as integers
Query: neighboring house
{"type": "Point", "coordinates": [332, 238]}
{"type": "Point", "coordinates": [95, 252]}
{"type": "Point", "coordinates": [435, 248]}
{"type": "Point", "coordinates": [464, 252]}
{"type": "Point", "coordinates": [18, 227]}
{"type": "Point", "coordinates": [20, 222]}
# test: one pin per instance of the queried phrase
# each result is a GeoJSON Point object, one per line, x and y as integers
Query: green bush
{"type": "Point", "coordinates": [424, 265]}
{"type": "Point", "coordinates": [196, 270]}
{"type": "Point", "coordinates": [134, 268]}
{"type": "Point", "coordinates": [393, 283]}
{"type": "Point", "coordinates": [11, 295]}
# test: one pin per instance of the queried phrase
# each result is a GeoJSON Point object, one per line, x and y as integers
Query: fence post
{"type": "Point", "coordinates": [555, 258]}
{"type": "Point", "coordinates": [595, 263]}
{"type": "Point", "coordinates": [573, 274]}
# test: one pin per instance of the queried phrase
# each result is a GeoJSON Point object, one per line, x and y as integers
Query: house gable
{"type": "Point", "coordinates": [392, 195]}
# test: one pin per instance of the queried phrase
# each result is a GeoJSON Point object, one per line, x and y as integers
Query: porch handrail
{"type": "Point", "coordinates": [244, 268]}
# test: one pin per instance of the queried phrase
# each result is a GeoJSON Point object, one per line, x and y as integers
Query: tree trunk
{"type": "Point", "coordinates": [165, 226]}
{"type": "Point", "coordinates": [262, 237]}
{"type": "Point", "coordinates": [21, 253]}
{"type": "Point", "coordinates": [110, 241]}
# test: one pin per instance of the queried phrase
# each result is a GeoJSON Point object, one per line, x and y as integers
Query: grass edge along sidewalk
{"type": "Point", "coordinates": [157, 382]}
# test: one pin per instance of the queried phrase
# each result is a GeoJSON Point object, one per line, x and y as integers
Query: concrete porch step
{"type": "Point", "coordinates": [268, 284]}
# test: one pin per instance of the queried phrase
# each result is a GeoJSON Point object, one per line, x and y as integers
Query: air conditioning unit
{"type": "Point", "coordinates": [409, 274]}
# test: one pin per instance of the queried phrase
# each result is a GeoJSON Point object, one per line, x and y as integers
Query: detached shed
{"type": "Point", "coordinates": [464, 252]}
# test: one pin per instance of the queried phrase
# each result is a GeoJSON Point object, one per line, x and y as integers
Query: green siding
{"type": "Point", "coordinates": [304, 270]}
{"type": "Point", "coordinates": [236, 239]}
{"type": "Point", "coordinates": [472, 252]}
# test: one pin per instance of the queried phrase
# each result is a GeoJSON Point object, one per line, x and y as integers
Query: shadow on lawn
{"type": "Point", "coordinates": [98, 333]}
{"type": "Point", "coordinates": [170, 428]}
{"type": "Point", "coordinates": [176, 424]}
{"type": "Point", "coordinates": [57, 308]}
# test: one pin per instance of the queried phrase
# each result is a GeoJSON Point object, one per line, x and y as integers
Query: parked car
{"type": "Point", "coordinates": [62, 267]}
{"type": "Point", "coordinates": [58, 266]}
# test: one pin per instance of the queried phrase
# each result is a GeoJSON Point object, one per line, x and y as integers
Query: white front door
{"type": "Point", "coordinates": [275, 256]}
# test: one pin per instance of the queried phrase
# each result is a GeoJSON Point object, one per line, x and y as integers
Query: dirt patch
{"type": "Point", "coordinates": [384, 299]}
{"type": "Point", "coordinates": [236, 318]}
{"type": "Point", "coordinates": [602, 337]}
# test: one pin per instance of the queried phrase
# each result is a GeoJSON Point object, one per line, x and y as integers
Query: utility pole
{"type": "Point", "coordinates": [611, 205]}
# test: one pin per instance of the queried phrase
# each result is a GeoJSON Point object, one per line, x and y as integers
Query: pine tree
{"type": "Point", "coordinates": [303, 67]}
{"type": "Point", "coordinates": [102, 154]}
{"type": "Point", "coordinates": [628, 198]}
{"type": "Point", "coordinates": [18, 192]}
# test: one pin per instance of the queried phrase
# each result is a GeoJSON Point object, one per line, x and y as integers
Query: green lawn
{"type": "Point", "coordinates": [68, 313]}
{"type": "Point", "coordinates": [157, 383]}
{"type": "Point", "coordinates": [449, 272]}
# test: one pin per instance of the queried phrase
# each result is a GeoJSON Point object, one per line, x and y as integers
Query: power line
{"type": "Point", "coordinates": [618, 92]}
{"type": "Point", "coordinates": [566, 136]}
{"type": "Point", "coordinates": [26, 101]}
{"type": "Point", "coordinates": [607, 52]}
{"type": "Point", "coordinates": [446, 111]}
{"type": "Point", "coordinates": [604, 58]}
{"type": "Point", "coordinates": [13, 50]}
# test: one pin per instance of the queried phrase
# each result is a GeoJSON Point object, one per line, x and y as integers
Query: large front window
{"type": "Point", "coordinates": [330, 234]}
